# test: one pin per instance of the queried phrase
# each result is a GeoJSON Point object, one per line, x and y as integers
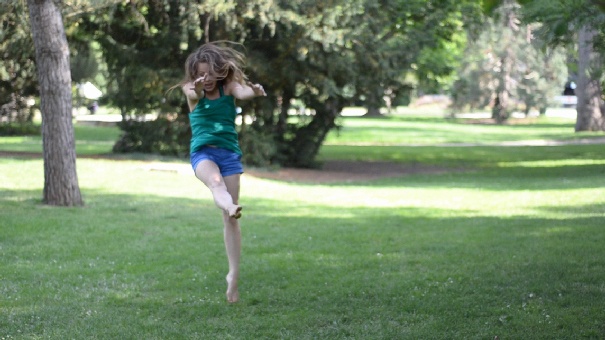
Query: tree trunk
{"type": "Point", "coordinates": [54, 77]}
{"type": "Point", "coordinates": [590, 115]}
{"type": "Point", "coordinates": [309, 139]}
{"type": "Point", "coordinates": [373, 104]}
{"type": "Point", "coordinates": [373, 111]}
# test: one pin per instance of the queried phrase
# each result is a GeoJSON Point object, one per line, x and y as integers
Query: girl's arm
{"type": "Point", "coordinates": [193, 91]}
{"type": "Point", "coordinates": [244, 92]}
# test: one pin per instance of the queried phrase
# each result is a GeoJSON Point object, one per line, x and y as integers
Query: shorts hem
{"type": "Point", "coordinates": [231, 173]}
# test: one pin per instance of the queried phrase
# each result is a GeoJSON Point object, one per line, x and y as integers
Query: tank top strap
{"type": "Point", "coordinates": [220, 90]}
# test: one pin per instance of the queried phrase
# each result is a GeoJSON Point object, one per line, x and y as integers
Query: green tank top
{"type": "Point", "coordinates": [213, 123]}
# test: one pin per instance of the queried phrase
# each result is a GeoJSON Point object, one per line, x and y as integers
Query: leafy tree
{"type": "Point", "coordinates": [17, 69]}
{"type": "Point", "coordinates": [506, 66]}
{"type": "Point", "coordinates": [361, 49]}
{"type": "Point", "coordinates": [54, 77]}
{"type": "Point", "coordinates": [544, 77]}
{"type": "Point", "coordinates": [580, 24]}
{"type": "Point", "coordinates": [402, 40]}
{"type": "Point", "coordinates": [308, 53]}
{"type": "Point", "coordinates": [142, 46]}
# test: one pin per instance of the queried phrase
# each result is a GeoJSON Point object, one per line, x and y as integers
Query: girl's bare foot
{"type": "Point", "coordinates": [232, 293]}
{"type": "Point", "coordinates": [236, 212]}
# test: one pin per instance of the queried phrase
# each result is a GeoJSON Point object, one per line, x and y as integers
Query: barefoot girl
{"type": "Point", "coordinates": [214, 78]}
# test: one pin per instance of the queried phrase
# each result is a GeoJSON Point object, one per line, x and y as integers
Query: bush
{"type": "Point", "coordinates": [258, 147]}
{"type": "Point", "coordinates": [171, 137]}
{"type": "Point", "coordinates": [161, 136]}
{"type": "Point", "coordinates": [19, 129]}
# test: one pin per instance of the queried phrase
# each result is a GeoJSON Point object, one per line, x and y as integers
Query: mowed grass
{"type": "Point", "coordinates": [90, 140]}
{"type": "Point", "coordinates": [419, 131]}
{"type": "Point", "coordinates": [509, 243]}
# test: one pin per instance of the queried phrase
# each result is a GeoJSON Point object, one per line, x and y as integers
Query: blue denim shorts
{"type": "Point", "coordinates": [228, 162]}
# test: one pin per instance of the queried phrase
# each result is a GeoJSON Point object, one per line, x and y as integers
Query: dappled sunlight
{"type": "Point", "coordinates": [552, 163]}
{"type": "Point", "coordinates": [423, 130]}
{"type": "Point", "coordinates": [460, 198]}
{"type": "Point", "coordinates": [345, 200]}
{"type": "Point", "coordinates": [551, 231]}
{"type": "Point", "coordinates": [30, 174]}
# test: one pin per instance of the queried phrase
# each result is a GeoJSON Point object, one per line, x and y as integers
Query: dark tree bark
{"type": "Point", "coordinates": [502, 103]}
{"type": "Point", "coordinates": [308, 139]}
{"type": "Point", "coordinates": [374, 103]}
{"type": "Point", "coordinates": [54, 78]}
{"type": "Point", "coordinates": [590, 104]}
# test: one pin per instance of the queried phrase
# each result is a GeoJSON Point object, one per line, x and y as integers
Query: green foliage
{"type": "Point", "coordinates": [17, 69]}
{"type": "Point", "coordinates": [258, 147]}
{"type": "Point", "coordinates": [84, 65]}
{"type": "Point", "coordinates": [324, 54]}
{"type": "Point", "coordinates": [505, 64]}
{"type": "Point", "coordinates": [544, 79]}
{"type": "Point", "coordinates": [142, 49]}
{"type": "Point", "coordinates": [16, 129]}
{"type": "Point", "coordinates": [561, 19]}
{"type": "Point", "coordinates": [161, 136]}
{"type": "Point", "coordinates": [578, 23]}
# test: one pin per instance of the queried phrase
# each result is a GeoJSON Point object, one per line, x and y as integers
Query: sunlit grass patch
{"type": "Point", "coordinates": [553, 163]}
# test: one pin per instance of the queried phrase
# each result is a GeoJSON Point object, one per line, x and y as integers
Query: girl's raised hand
{"type": "Point", "coordinates": [257, 89]}
{"type": "Point", "coordinates": [198, 85]}
{"type": "Point", "coordinates": [199, 80]}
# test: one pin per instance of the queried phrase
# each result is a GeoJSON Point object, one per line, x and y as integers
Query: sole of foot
{"type": "Point", "coordinates": [237, 213]}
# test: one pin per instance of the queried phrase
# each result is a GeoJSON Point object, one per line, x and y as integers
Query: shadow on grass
{"type": "Point", "coordinates": [507, 178]}
{"type": "Point", "coordinates": [456, 156]}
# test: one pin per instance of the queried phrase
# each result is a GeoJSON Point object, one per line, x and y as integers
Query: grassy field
{"type": "Point", "coordinates": [90, 140]}
{"type": "Point", "coordinates": [509, 243]}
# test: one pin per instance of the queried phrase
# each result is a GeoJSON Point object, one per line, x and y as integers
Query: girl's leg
{"type": "Point", "coordinates": [225, 192]}
{"type": "Point", "coordinates": [233, 240]}
{"type": "Point", "coordinates": [207, 171]}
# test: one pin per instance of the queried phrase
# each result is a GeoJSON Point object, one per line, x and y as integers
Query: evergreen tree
{"type": "Point", "coordinates": [17, 68]}
{"type": "Point", "coordinates": [506, 66]}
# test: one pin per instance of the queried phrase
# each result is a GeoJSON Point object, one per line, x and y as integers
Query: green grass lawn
{"type": "Point", "coordinates": [509, 244]}
{"type": "Point", "coordinates": [431, 130]}
{"type": "Point", "coordinates": [90, 140]}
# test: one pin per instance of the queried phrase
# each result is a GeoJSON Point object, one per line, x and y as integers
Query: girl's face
{"type": "Point", "coordinates": [203, 70]}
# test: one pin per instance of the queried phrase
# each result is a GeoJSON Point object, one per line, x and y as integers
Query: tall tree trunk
{"type": "Point", "coordinates": [54, 77]}
{"type": "Point", "coordinates": [502, 102]}
{"type": "Point", "coordinates": [501, 109]}
{"type": "Point", "coordinates": [590, 114]}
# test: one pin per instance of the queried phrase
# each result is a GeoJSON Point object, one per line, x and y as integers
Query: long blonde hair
{"type": "Point", "coordinates": [225, 63]}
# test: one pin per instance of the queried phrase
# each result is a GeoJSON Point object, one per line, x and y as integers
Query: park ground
{"type": "Point", "coordinates": [477, 231]}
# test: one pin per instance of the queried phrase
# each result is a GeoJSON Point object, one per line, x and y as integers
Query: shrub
{"type": "Point", "coordinates": [161, 136]}
{"type": "Point", "coordinates": [258, 147]}
{"type": "Point", "coordinates": [19, 129]}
